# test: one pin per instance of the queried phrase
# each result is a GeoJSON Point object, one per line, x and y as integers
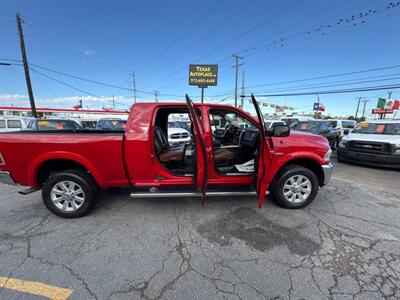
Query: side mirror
{"type": "Point", "coordinates": [346, 131]}
{"type": "Point", "coordinates": [279, 131]}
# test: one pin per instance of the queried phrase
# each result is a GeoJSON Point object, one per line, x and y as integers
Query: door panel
{"type": "Point", "coordinates": [201, 175]}
{"type": "Point", "coordinates": [261, 184]}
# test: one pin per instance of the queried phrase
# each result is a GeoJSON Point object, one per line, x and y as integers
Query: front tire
{"type": "Point", "coordinates": [295, 187]}
{"type": "Point", "coordinates": [69, 194]}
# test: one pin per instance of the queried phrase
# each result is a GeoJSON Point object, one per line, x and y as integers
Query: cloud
{"type": "Point", "coordinates": [89, 52]}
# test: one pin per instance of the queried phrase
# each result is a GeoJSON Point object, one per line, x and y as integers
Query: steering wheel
{"type": "Point", "coordinates": [228, 131]}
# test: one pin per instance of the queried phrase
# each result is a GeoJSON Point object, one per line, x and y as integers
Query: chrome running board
{"type": "Point", "coordinates": [189, 194]}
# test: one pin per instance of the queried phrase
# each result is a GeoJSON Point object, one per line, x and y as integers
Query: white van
{"type": "Point", "coordinates": [8, 124]}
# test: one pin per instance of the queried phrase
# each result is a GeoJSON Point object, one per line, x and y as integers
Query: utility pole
{"type": "Point", "coordinates": [365, 102]}
{"type": "Point", "coordinates": [26, 66]}
{"type": "Point", "coordinates": [243, 95]}
{"type": "Point", "coordinates": [113, 102]}
{"type": "Point", "coordinates": [236, 66]}
{"type": "Point", "coordinates": [134, 86]}
{"type": "Point", "coordinates": [156, 95]}
{"type": "Point", "coordinates": [358, 106]}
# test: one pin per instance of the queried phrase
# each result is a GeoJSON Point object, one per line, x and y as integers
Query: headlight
{"type": "Point", "coordinates": [327, 156]}
{"type": "Point", "coordinates": [396, 149]}
{"type": "Point", "coordinates": [343, 143]}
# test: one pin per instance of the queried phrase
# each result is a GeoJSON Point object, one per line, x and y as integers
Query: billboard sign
{"type": "Point", "coordinates": [203, 75]}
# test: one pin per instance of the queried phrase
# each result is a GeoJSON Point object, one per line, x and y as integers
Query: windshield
{"type": "Point", "coordinates": [57, 125]}
{"type": "Point", "coordinates": [378, 128]}
{"type": "Point", "coordinates": [307, 126]}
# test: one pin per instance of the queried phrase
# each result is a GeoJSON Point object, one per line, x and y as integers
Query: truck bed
{"type": "Point", "coordinates": [101, 152]}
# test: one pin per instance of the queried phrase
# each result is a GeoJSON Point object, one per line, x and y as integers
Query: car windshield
{"type": "Point", "coordinates": [348, 124]}
{"type": "Point", "coordinates": [307, 126]}
{"type": "Point", "coordinates": [378, 128]}
{"type": "Point", "coordinates": [177, 124]}
{"type": "Point", "coordinates": [57, 125]}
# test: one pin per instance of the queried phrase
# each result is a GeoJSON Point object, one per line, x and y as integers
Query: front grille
{"type": "Point", "coordinates": [370, 147]}
{"type": "Point", "coordinates": [179, 135]}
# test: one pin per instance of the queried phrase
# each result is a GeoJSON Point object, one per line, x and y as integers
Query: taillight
{"type": "Point", "coordinates": [2, 162]}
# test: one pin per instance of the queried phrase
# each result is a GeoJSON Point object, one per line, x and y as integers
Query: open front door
{"type": "Point", "coordinates": [200, 178]}
{"type": "Point", "coordinates": [261, 185]}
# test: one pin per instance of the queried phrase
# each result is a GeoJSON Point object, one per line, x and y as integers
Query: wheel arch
{"type": "Point", "coordinates": [306, 162]}
{"type": "Point", "coordinates": [43, 165]}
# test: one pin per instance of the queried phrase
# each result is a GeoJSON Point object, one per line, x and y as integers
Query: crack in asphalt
{"type": "Point", "coordinates": [324, 253]}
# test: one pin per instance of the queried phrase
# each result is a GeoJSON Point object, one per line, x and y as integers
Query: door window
{"type": "Point", "coordinates": [14, 124]}
{"type": "Point", "coordinates": [2, 124]}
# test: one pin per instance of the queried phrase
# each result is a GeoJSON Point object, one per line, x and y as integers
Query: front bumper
{"type": "Point", "coordinates": [327, 171]}
{"type": "Point", "coordinates": [5, 177]}
{"type": "Point", "coordinates": [369, 159]}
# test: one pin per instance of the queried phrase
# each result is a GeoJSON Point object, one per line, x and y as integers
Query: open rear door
{"type": "Point", "coordinates": [201, 177]}
{"type": "Point", "coordinates": [261, 185]}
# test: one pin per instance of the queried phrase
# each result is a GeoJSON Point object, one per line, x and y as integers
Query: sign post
{"type": "Point", "coordinates": [203, 76]}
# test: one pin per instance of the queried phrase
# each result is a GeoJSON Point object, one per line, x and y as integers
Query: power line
{"type": "Point", "coordinates": [214, 28]}
{"type": "Point", "coordinates": [343, 91]}
{"type": "Point", "coordinates": [74, 88]}
{"type": "Point", "coordinates": [327, 76]}
{"type": "Point", "coordinates": [190, 28]}
{"type": "Point", "coordinates": [338, 83]}
{"type": "Point", "coordinates": [89, 80]}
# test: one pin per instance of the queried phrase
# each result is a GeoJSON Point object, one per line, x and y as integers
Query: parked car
{"type": "Point", "coordinates": [320, 127]}
{"type": "Point", "coordinates": [111, 124]}
{"type": "Point", "coordinates": [374, 143]}
{"type": "Point", "coordinates": [70, 167]}
{"type": "Point", "coordinates": [8, 124]}
{"type": "Point", "coordinates": [53, 124]}
{"type": "Point", "coordinates": [178, 135]}
{"type": "Point", "coordinates": [343, 125]}
{"type": "Point", "coordinates": [289, 121]}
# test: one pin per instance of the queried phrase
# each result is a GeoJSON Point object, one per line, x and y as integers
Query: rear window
{"type": "Point", "coordinates": [14, 124]}
{"type": "Point", "coordinates": [2, 124]}
{"type": "Point", "coordinates": [307, 126]}
{"type": "Point", "coordinates": [56, 125]}
{"type": "Point", "coordinates": [378, 128]}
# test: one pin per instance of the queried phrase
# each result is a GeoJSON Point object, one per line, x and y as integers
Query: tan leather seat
{"type": "Point", "coordinates": [221, 155]}
{"type": "Point", "coordinates": [165, 152]}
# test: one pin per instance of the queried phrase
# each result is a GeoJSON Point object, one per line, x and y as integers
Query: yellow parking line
{"type": "Point", "coordinates": [35, 288]}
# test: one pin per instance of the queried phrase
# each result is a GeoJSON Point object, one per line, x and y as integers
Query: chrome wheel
{"type": "Point", "coordinates": [67, 196]}
{"type": "Point", "coordinates": [297, 189]}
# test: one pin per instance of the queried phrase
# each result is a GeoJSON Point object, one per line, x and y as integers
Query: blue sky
{"type": "Point", "coordinates": [279, 40]}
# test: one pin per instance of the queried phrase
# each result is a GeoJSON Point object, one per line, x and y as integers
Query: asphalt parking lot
{"type": "Point", "coordinates": [346, 245]}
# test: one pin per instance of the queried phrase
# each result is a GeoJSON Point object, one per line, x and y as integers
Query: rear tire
{"type": "Point", "coordinates": [294, 187]}
{"type": "Point", "coordinates": [70, 194]}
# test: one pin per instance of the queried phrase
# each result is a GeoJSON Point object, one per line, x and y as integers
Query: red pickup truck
{"type": "Point", "coordinates": [231, 153]}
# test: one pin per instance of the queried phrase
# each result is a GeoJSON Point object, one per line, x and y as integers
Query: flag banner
{"type": "Point", "coordinates": [318, 107]}
{"type": "Point", "coordinates": [279, 108]}
{"type": "Point", "coordinates": [396, 104]}
{"type": "Point", "coordinates": [78, 105]}
{"type": "Point", "coordinates": [381, 103]}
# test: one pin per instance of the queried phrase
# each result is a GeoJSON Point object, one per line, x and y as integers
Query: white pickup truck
{"type": "Point", "coordinates": [374, 143]}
